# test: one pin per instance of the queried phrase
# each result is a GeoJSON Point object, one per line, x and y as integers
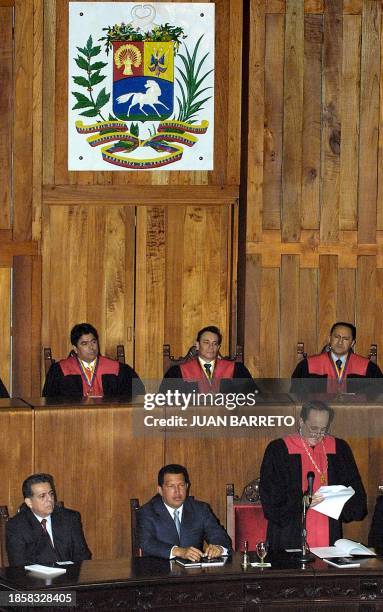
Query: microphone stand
{"type": "Point", "coordinates": [306, 556]}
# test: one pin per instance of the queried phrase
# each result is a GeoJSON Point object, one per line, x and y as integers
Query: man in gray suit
{"type": "Point", "coordinates": [172, 524]}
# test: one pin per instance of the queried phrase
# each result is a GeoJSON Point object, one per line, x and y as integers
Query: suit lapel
{"type": "Point", "coordinates": [165, 519]}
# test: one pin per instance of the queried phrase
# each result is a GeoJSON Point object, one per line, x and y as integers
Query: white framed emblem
{"type": "Point", "coordinates": [141, 86]}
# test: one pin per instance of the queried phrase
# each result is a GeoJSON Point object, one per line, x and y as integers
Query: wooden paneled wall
{"type": "Point", "coordinates": [312, 232]}
{"type": "Point", "coordinates": [133, 257]}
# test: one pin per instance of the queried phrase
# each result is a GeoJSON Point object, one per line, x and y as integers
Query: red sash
{"type": "Point", "coordinates": [318, 532]}
{"type": "Point", "coordinates": [71, 366]}
{"type": "Point", "coordinates": [323, 365]}
{"type": "Point", "coordinates": [192, 372]}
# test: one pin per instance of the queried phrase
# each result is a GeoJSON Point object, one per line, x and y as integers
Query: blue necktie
{"type": "Point", "coordinates": [177, 521]}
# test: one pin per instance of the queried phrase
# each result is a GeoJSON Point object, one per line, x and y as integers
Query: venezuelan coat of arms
{"type": "Point", "coordinates": [141, 86]}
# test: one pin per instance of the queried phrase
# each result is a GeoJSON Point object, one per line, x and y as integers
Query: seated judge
{"type": "Point", "coordinates": [285, 466]}
{"type": "Point", "coordinates": [42, 532]}
{"type": "Point", "coordinates": [86, 373]}
{"type": "Point", "coordinates": [375, 535]}
{"type": "Point", "coordinates": [336, 364]}
{"type": "Point", "coordinates": [3, 390]}
{"type": "Point", "coordinates": [207, 372]}
{"type": "Point", "coordinates": [172, 524]}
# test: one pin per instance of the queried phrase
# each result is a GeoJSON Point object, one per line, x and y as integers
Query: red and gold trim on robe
{"type": "Point", "coordinates": [192, 371]}
{"type": "Point", "coordinates": [72, 367]}
{"type": "Point", "coordinates": [318, 530]}
{"type": "Point", "coordinates": [323, 365]}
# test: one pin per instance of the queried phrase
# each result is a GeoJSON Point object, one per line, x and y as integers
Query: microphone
{"type": "Point", "coordinates": [310, 484]}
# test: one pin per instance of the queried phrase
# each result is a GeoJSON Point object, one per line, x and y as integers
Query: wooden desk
{"type": "Point", "coordinates": [154, 584]}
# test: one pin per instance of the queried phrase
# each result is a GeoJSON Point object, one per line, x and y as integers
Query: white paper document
{"type": "Point", "coordinates": [342, 548]}
{"type": "Point", "coordinates": [335, 496]}
{"type": "Point", "coordinates": [45, 570]}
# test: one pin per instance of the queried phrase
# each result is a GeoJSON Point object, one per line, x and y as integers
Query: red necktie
{"type": "Point", "coordinates": [45, 530]}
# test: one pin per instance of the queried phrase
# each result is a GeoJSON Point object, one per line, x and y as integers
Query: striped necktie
{"type": "Point", "coordinates": [177, 521]}
{"type": "Point", "coordinates": [207, 367]}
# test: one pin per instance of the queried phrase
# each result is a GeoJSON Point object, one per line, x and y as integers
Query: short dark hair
{"type": "Point", "coordinates": [213, 330]}
{"type": "Point", "coordinates": [80, 330]}
{"type": "Point", "coordinates": [36, 479]}
{"type": "Point", "coordinates": [344, 324]}
{"type": "Point", "coordinates": [172, 468]}
{"type": "Point", "coordinates": [316, 405]}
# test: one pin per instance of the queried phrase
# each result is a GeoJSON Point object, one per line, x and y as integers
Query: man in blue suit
{"type": "Point", "coordinates": [172, 524]}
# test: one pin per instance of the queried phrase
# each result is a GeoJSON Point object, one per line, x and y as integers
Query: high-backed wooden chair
{"type": "Point", "coordinates": [48, 359]}
{"type": "Point", "coordinates": [134, 506]}
{"type": "Point", "coordinates": [372, 355]}
{"type": "Point", "coordinates": [169, 360]}
{"type": "Point", "coordinates": [4, 516]}
{"type": "Point", "coordinates": [244, 518]}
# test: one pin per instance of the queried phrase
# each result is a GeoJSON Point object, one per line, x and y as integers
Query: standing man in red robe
{"type": "Point", "coordinates": [285, 467]}
{"type": "Point", "coordinates": [86, 373]}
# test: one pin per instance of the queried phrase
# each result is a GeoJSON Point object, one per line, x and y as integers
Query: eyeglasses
{"type": "Point", "coordinates": [316, 432]}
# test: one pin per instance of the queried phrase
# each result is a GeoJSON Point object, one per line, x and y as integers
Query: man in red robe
{"type": "Point", "coordinates": [336, 365]}
{"type": "Point", "coordinates": [86, 373]}
{"type": "Point", "coordinates": [285, 467]}
{"type": "Point", "coordinates": [207, 372]}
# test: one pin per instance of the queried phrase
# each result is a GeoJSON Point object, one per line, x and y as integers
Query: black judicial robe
{"type": "Point", "coordinates": [281, 493]}
{"type": "Point", "coordinates": [3, 391]}
{"type": "Point", "coordinates": [241, 382]}
{"type": "Point", "coordinates": [127, 383]}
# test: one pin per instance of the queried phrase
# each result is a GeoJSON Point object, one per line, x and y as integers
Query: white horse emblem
{"type": "Point", "coordinates": [148, 98]}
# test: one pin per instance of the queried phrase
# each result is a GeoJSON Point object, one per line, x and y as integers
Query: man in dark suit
{"type": "Point", "coordinates": [43, 532]}
{"type": "Point", "coordinates": [172, 524]}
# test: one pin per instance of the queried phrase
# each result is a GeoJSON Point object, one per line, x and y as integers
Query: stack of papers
{"type": "Point", "coordinates": [343, 548]}
{"type": "Point", "coordinates": [45, 570]}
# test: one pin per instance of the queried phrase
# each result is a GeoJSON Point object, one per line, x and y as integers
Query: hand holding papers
{"type": "Point", "coordinates": [335, 496]}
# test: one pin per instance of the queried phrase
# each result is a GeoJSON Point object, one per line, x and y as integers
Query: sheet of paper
{"type": "Point", "coordinates": [45, 569]}
{"type": "Point", "coordinates": [335, 496]}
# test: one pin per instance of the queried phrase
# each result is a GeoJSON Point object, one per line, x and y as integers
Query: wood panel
{"type": "Point", "coordinates": [292, 125]}
{"type": "Point", "coordinates": [331, 213]}
{"type": "Point", "coordinates": [23, 121]}
{"type": "Point", "coordinates": [5, 326]}
{"type": "Point", "coordinates": [369, 120]}
{"type": "Point", "coordinates": [16, 456]}
{"type": "Point", "coordinates": [332, 45]}
{"type": "Point", "coordinates": [6, 112]}
{"type": "Point", "coordinates": [26, 325]}
{"type": "Point", "coordinates": [88, 275]}
{"type": "Point", "coordinates": [99, 489]}
{"type": "Point", "coordinates": [311, 128]}
{"type": "Point", "coordinates": [177, 248]}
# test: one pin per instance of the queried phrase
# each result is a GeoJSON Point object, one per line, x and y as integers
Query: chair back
{"type": "Point", "coordinates": [372, 355]}
{"type": "Point", "coordinates": [301, 350]}
{"type": "Point", "coordinates": [245, 520]}
{"type": "Point", "coordinates": [4, 516]}
{"type": "Point", "coordinates": [134, 507]}
{"type": "Point", "coordinates": [48, 359]}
